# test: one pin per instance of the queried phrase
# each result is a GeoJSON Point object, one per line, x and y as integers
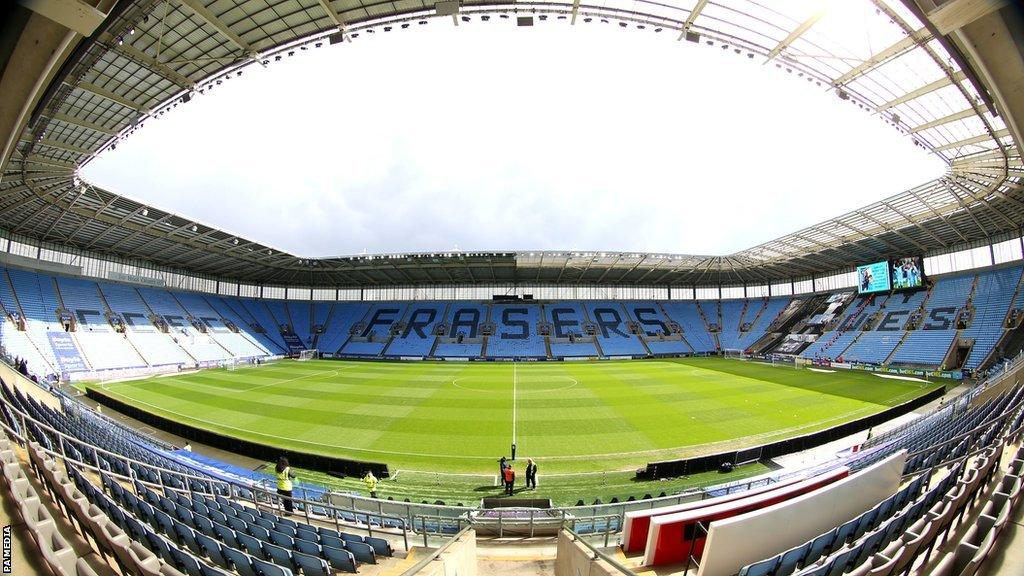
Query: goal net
{"type": "Point", "coordinates": [231, 364]}
{"type": "Point", "coordinates": [307, 355]}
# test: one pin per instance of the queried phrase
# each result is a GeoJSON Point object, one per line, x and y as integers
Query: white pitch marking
{"type": "Point", "coordinates": [514, 383]}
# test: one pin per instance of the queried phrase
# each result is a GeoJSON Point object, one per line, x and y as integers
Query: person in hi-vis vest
{"type": "Point", "coordinates": [284, 484]}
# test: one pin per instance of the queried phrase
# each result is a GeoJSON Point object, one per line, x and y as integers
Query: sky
{"type": "Point", "coordinates": [490, 137]}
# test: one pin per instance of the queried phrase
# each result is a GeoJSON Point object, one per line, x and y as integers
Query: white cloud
{"type": "Point", "coordinates": [492, 137]}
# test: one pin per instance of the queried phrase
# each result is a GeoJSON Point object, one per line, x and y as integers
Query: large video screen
{"type": "Point", "coordinates": [907, 273]}
{"type": "Point", "coordinates": [873, 278]}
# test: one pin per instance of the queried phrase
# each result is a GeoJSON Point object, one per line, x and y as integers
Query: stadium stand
{"type": "Point", "coordinates": [374, 330]}
{"type": "Point", "coordinates": [236, 344]}
{"type": "Point", "coordinates": [694, 330]}
{"type": "Point", "coordinates": [995, 290]}
{"type": "Point", "coordinates": [416, 336]}
{"type": "Point", "coordinates": [156, 347]}
{"type": "Point", "coordinates": [119, 326]}
{"type": "Point", "coordinates": [612, 330]}
{"type": "Point", "coordinates": [517, 334]}
{"type": "Point", "coordinates": [654, 328]}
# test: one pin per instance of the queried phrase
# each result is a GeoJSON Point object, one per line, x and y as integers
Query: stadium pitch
{"type": "Point", "coordinates": [459, 418]}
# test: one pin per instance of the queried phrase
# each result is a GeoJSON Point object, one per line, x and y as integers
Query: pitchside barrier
{"type": "Point", "coordinates": [636, 523]}
{"type": "Point", "coordinates": [344, 466]}
{"type": "Point", "coordinates": [699, 464]}
{"type": "Point", "coordinates": [677, 537]}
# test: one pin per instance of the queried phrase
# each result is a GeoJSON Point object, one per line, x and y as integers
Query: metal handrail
{"type": "Point", "coordinates": [597, 554]}
{"type": "Point", "coordinates": [437, 553]}
{"type": "Point", "coordinates": [270, 496]}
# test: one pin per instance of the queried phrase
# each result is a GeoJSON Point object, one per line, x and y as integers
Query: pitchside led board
{"type": "Point", "coordinates": [898, 274]}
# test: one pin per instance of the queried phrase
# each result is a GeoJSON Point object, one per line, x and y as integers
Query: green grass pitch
{"type": "Point", "coordinates": [459, 418]}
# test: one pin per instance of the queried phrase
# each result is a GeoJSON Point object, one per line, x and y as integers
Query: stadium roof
{"type": "Point", "coordinates": [950, 77]}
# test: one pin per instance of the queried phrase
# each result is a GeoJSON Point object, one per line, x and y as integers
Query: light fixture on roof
{"type": "Point", "coordinates": [485, 18]}
{"type": "Point", "coordinates": [144, 212]}
{"type": "Point", "coordinates": [131, 31]}
{"type": "Point", "coordinates": [406, 24]}
{"type": "Point", "coordinates": [387, 28]}
{"type": "Point", "coordinates": [120, 42]}
{"type": "Point", "coordinates": [465, 18]}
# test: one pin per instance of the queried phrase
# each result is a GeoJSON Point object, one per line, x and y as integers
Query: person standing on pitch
{"type": "Point", "coordinates": [502, 464]}
{"type": "Point", "coordinates": [510, 479]}
{"type": "Point", "coordinates": [531, 474]}
{"type": "Point", "coordinates": [284, 484]}
{"type": "Point", "coordinates": [371, 483]}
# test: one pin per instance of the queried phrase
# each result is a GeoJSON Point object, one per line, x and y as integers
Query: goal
{"type": "Point", "coordinates": [231, 364]}
{"type": "Point", "coordinates": [308, 355]}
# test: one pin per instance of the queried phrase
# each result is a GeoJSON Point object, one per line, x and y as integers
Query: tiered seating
{"type": "Point", "coordinates": [685, 313]}
{"type": "Point", "coordinates": [278, 315]}
{"type": "Point", "coordinates": [928, 345]}
{"type": "Point", "coordinates": [418, 336]}
{"type": "Point", "coordinates": [729, 336]}
{"type": "Point", "coordinates": [991, 304]}
{"type": "Point", "coordinates": [257, 311]}
{"type": "Point", "coordinates": [231, 344]}
{"type": "Point", "coordinates": [771, 311]}
{"type": "Point", "coordinates": [460, 313]}
{"type": "Point", "coordinates": [875, 345]}
{"type": "Point", "coordinates": [343, 316]}
{"type": "Point", "coordinates": [56, 551]}
{"type": "Point", "coordinates": [612, 330]}
{"type": "Point", "coordinates": [232, 310]}
{"type": "Point", "coordinates": [654, 325]}
{"type": "Point", "coordinates": [372, 340]}
{"type": "Point", "coordinates": [39, 302]}
{"type": "Point", "coordinates": [299, 313]}
{"type": "Point", "coordinates": [516, 336]}
{"type": "Point", "coordinates": [155, 347]}
{"type": "Point", "coordinates": [104, 348]}
{"type": "Point", "coordinates": [831, 344]}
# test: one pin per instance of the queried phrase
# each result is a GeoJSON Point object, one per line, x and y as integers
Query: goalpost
{"type": "Point", "coordinates": [307, 355]}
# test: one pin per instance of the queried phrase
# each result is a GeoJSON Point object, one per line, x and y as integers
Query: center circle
{"type": "Point", "coordinates": [530, 384]}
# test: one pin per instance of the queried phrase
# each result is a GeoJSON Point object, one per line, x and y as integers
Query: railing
{"type": "Point", "coordinates": [258, 496]}
{"type": "Point", "coordinates": [429, 519]}
{"type": "Point", "coordinates": [437, 553]}
{"type": "Point", "coordinates": [597, 554]}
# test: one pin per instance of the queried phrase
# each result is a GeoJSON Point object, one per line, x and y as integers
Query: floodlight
{"type": "Point", "coordinates": [387, 28]}
{"type": "Point", "coordinates": [465, 18]}
{"type": "Point", "coordinates": [587, 19]}
{"type": "Point", "coordinates": [144, 212]}
{"type": "Point", "coordinates": [193, 228]}
{"type": "Point", "coordinates": [485, 18]}
{"type": "Point", "coordinates": [622, 24]}
{"type": "Point", "coordinates": [120, 42]}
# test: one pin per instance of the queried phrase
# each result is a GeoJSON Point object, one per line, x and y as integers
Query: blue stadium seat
{"type": "Point", "coordinates": [264, 568]}
{"type": "Point", "coordinates": [311, 565]}
{"type": "Point", "coordinates": [340, 559]}
{"type": "Point", "coordinates": [762, 568]}
{"type": "Point", "coordinates": [239, 561]}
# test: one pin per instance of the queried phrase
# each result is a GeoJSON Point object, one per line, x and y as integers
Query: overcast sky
{"type": "Point", "coordinates": [489, 137]}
